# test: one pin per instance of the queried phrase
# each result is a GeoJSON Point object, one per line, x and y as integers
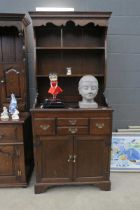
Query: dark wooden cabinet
{"type": "Point", "coordinates": [13, 60]}
{"type": "Point", "coordinates": [16, 156]}
{"type": "Point", "coordinates": [16, 153]}
{"type": "Point", "coordinates": [71, 150]}
{"type": "Point", "coordinates": [71, 145]}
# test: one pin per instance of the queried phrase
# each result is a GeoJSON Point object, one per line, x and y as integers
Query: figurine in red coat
{"type": "Point", "coordinates": [54, 88]}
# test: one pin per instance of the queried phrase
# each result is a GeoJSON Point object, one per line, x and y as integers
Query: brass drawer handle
{"type": "Point", "coordinates": [69, 159]}
{"type": "Point", "coordinates": [100, 125]}
{"type": "Point", "coordinates": [44, 127]}
{"type": "Point", "coordinates": [73, 122]}
{"type": "Point", "coordinates": [73, 130]}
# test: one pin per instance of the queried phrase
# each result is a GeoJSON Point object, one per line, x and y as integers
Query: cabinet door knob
{"type": "Point", "coordinates": [73, 130]}
{"type": "Point", "coordinates": [19, 173]}
{"type": "Point", "coordinates": [74, 158]}
{"type": "Point", "coordinates": [99, 125]}
{"type": "Point", "coordinates": [69, 159]}
{"type": "Point", "coordinates": [44, 127]}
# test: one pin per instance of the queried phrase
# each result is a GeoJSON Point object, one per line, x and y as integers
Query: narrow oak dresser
{"type": "Point", "coordinates": [71, 145]}
{"type": "Point", "coordinates": [16, 151]}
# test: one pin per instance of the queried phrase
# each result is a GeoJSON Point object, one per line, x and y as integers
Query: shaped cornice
{"type": "Point", "coordinates": [13, 20]}
{"type": "Point", "coordinates": [61, 18]}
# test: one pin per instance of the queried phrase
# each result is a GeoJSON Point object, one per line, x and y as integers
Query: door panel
{"type": "Point", "coordinates": [7, 161]}
{"type": "Point", "coordinates": [13, 81]}
{"type": "Point", "coordinates": [52, 154]}
{"type": "Point", "coordinates": [90, 154]}
{"type": "Point", "coordinates": [12, 67]}
{"type": "Point", "coordinates": [12, 168]}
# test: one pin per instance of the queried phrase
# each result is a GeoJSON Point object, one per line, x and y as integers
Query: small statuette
{"type": "Point", "coordinates": [4, 114]}
{"type": "Point", "coordinates": [15, 115]}
{"type": "Point", "coordinates": [54, 88]}
{"type": "Point", "coordinates": [68, 71]}
{"type": "Point", "coordinates": [13, 104]}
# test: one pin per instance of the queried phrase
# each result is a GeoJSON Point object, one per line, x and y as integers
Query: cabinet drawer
{"type": "Point", "coordinates": [8, 133]}
{"type": "Point", "coordinates": [44, 126]}
{"type": "Point", "coordinates": [100, 126]}
{"type": "Point", "coordinates": [72, 130]}
{"type": "Point", "coordinates": [72, 121]}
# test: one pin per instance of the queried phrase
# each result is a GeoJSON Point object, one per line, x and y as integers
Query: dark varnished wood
{"type": "Point", "coordinates": [13, 59]}
{"type": "Point", "coordinates": [61, 18]}
{"type": "Point", "coordinates": [71, 145]}
{"type": "Point", "coordinates": [42, 187]}
{"type": "Point", "coordinates": [90, 150]}
{"type": "Point", "coordinates": [16, 155]}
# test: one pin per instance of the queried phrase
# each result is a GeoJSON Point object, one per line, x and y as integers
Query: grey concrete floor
{"type": "Point", "coordinates": [125, 195]}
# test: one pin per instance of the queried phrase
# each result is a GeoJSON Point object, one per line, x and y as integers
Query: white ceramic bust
{"type": "Point", "coordinates": [15, 115]}
{"type": "Point", "coordinates": [4, 114]}
{"type": "Point", "coordinates": [88, 89]}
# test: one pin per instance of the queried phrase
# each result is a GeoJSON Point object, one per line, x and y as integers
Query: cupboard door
{"type": "Point", "coordinates": [13, 81]}
{"type": "Point", "coordinates": [90, 158]}
{"type": "Point", "coordinates": [53, 159]}
{"type": "Point", "coordinates": [12, 168]}
{"type": "Point", "coordinates": [13, 66]}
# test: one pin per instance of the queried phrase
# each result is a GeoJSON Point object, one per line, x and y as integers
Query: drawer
{"type": "Point", "coordinates": [72, 130]}
{"type": "Point", "coordinates": [72, 121]}
{"type": "Point", "coordinates": [44, 126]}
{"type": "Point", "coordinates": [8, 133]}
{"type": "Point", "coordinates": [100, 126]}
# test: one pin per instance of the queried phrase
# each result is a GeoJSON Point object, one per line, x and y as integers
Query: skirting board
{"type": "Point", "coordinates": [134, 127]}
{"type": "Point", "coordinates": [129, 130]}
{"type": "Point", "coordinates": [126, 133]}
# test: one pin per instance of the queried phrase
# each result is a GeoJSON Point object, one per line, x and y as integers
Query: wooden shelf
{"type": "Point", "coordinates": [81, 47]}
{"type": "Point", "coordinates": [74, 75]}
{"type": "Point", "coordinates": [70, 48]}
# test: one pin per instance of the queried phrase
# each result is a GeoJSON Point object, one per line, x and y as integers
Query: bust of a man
{"type": "Point", "coordinates": [4, 114]}
{"type": "Point", "coordinates": [88, 89]}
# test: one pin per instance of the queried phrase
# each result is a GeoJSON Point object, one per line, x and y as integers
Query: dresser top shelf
{"type": "Point", "coordinates": [22, 117]}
